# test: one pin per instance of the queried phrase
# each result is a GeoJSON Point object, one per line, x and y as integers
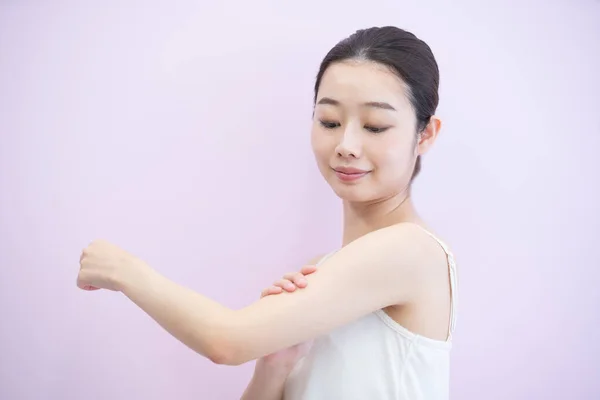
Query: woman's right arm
{"type": "Point", "coordinates": [267, 383]}
{"type": "Point", "coordinates": [271, 372]}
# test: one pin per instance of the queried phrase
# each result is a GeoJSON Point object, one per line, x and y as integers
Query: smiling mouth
{"type": "Point", "coordinates": [350, 175]}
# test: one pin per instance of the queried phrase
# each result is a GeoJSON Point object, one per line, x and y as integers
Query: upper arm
{"type": "Point", "coordinates": [375, 271]}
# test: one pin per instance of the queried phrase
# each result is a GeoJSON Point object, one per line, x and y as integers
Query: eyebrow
{"type": "Point", "coordinates": [373, 104]}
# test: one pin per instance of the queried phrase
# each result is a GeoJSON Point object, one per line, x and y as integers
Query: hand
{"type": "Point", "coordinates": [287, 358]}
{"type": "Point", "coordinates": [105, 266]}
{"type": "Point", "coordinates": [290, 281]}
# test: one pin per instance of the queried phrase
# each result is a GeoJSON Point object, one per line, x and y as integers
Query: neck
{"type": "Point", "coordinates": [362, 218]}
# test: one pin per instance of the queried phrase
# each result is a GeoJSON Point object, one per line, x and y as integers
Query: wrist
{"type": "Point", "coordinates": [273, 369]}
{"type": "Point", "coordinates": [134, 274]}
{"type": "Point", "coordinates": [267, 382]}
{"type": "Point", "coordinates": [269, 377]}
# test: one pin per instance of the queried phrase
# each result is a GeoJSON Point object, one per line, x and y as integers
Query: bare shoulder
{"type": "Point", "coordinates": [402, 247]}
{"type": "Point", "coordinates": [411, 250]}
{"type": "Point", "coordinates": [428, 311]}
{"type": "Point", "coordinates": [409, 241]}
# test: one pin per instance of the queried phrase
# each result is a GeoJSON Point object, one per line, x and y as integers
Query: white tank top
{"type": "Point", "coordinates": [375, 358]}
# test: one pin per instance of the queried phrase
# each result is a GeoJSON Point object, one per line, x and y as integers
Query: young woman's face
{"type": "Point", "coordinates": [364, 132]}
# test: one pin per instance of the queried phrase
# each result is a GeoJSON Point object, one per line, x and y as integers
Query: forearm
{"type": "Point", "coordinates": [267, 383]}
{"type": "Point", "coordinates": [193, 319]}
{"type": "Point", "coordinates": [345, 289]}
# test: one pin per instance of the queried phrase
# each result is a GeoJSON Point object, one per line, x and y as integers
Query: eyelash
{"type": "Point", "coordinates": [333, 125]}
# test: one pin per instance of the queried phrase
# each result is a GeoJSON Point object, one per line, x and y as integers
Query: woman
{"type": "Point", "coordinates": [381, 308]}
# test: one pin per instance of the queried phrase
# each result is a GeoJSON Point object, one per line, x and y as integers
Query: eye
{"type": "Point", "coordinates": [329, 124]}
{"type": "Point", "coordinates": [374, 129]}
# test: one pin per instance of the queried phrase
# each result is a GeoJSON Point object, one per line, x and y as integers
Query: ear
{"type": "Point", "coordinates": [429, 135]}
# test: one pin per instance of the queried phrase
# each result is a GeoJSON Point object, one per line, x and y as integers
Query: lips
{"type": "Point", "coordinates": [347, 174]}
{"type": "Point", "coordinates": [350, 171]}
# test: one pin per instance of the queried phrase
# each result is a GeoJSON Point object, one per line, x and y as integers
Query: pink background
{"type": "Point", "coordinates": [180, 131]}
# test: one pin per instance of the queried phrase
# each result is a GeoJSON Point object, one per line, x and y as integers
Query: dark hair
{"type": "Point", "coordinates": [406, 55]}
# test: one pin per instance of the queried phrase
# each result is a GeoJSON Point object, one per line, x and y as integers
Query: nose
{"type": "Point", "coordinates": [350, 145]}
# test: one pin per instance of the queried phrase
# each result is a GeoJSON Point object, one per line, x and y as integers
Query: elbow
{"type": "Point", "coordinates": [224, 351]}
{"type": "Point", "coordinates": [228, 360]}
{"type": "Point", "coordinates": [219, 357]}
{"type": "Point", "coordinates": [227, 344]}
{"type": "Point", "coordinates": [226, 355]}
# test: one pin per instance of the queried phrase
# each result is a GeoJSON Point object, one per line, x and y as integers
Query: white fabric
{"type": "Point", "coordinates": [375, 358]}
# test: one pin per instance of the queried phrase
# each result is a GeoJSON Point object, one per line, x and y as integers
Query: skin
{"type": "Point", "coordinates": [271, 371]}
{"type": "Point", "coordinates": [384, 202]}
{"type": "Point", "coordinates": [386, 260]}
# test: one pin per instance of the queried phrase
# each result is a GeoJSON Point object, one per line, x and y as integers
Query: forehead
{"type": "Point", "coordinates": [351, 82]}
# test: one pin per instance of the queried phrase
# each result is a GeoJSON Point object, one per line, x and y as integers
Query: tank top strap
{"type": "Point", "coordinates": [453, 281]}
{"type": "Point", "coordinates": [325, 257]}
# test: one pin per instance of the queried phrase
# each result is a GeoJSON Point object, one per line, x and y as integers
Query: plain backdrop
{"type": "Point", "coordinates": [179, 130]}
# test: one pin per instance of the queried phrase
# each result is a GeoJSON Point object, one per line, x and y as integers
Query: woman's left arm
{"type": "Point", "coordinates": [380, 269]}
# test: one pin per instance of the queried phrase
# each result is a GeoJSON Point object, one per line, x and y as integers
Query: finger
{"type": "Point", "coordinates": [308, 269]}
{"type": "Point", "coordinates": [271, 290]}
{"type": "Point", "coordinates": [286, 285]}
{"type": "Point", "coordinates": [297, 279]}
{"type": "Point", "coordinates": [81, 284]}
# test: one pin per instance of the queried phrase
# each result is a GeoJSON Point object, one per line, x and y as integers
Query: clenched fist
{"type": "Point", "coordinates": [106, 266]}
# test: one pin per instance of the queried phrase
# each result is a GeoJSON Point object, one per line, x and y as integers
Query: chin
{"type": "Point", "coordinates": [354, 193]}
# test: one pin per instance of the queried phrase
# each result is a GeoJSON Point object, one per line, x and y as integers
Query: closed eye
{"type": "Point", "coordinates": [333, 125]}
{"type": "Point", "coordinates": [374, 129]}
{"type": "Point", "coordinates": [329, 124]}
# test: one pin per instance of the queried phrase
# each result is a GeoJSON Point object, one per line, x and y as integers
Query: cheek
{"type": "Point", "coordinates": [384, 153]}
{"type": "Point", "coordinates": [320, 146]}
{"type": "Point", "coordinates": [393, 159]}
